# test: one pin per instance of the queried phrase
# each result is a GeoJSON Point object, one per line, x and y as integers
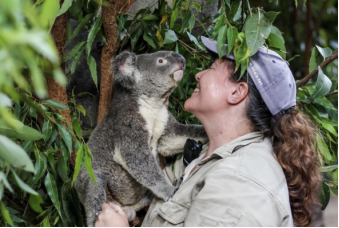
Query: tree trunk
{"type": "Point", "coordinates": [109, 13]}
{"type": "Point", "coordinates": [56, 91]}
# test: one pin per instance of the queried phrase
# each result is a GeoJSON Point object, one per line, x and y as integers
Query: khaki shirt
{"type": "Point", "coordinates": [240, 184]}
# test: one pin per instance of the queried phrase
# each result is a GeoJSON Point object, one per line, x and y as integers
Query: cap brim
{"type": "Point", "coordinates": [212, 46]}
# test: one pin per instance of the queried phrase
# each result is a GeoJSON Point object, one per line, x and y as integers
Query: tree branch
{"type": "Point", "coordinates": [320, 17]}
{"type": "Point", "coordinates": [327, 61]}
{"type": "Point", "coordinates": [331, 93]}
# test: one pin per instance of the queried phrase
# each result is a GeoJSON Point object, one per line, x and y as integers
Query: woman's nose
{"type": "Point", "coordinates": [198, 75]}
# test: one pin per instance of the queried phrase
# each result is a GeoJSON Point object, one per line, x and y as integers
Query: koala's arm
{"type": "Point", "coordinates": [174, 138]}
{"type": "Point", "coordinates": [138, 160]}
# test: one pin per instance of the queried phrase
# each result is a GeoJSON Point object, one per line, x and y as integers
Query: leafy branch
{"type": "Point", "coordinates": [327, 61]}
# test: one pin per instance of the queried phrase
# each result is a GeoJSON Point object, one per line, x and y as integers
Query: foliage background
{"type": "Point", "coordinates": [36, 138]}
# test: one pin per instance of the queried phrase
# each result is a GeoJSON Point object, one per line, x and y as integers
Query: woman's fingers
{"type": "Point", "coordinates": [117, 209]}
{"type": "Point", "coordinates": [111, 215]}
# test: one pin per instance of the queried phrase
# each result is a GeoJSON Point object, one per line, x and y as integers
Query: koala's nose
{"type": "Point", "coordinates": [181, 60]}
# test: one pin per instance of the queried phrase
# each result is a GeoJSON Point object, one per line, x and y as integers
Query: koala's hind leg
{"type": "Point", "coordinates": [91, 196]}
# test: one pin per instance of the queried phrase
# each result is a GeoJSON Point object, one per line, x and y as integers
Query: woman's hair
{"type": "Point", "coordinates": [293, 142]}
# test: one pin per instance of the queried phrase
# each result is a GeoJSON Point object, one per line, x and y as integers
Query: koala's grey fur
{"type": "Point", "coordinates": [137, 128]}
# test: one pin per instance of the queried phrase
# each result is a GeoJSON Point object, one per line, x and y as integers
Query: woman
{"type": "Point", "coordinates": [259, 168]}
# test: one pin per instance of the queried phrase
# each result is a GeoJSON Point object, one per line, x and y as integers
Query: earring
{"type": "Point", "coordinates": [233, 100]}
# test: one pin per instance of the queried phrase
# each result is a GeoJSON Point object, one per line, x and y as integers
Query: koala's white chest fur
{"type": "Point", "coordinates": [156, 116]}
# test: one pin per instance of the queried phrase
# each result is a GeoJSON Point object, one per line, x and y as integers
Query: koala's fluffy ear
{"type": "Point", "coordinates": [124, 66]}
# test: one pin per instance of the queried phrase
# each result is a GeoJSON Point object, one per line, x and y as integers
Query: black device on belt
{"type": "Point", "coordinates": [192, 151]}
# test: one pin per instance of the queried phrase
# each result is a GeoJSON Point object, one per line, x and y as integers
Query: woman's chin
{"type": "Point", "coordinates": [189, 105]}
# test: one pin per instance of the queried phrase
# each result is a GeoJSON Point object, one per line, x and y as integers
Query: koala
{"type": "Point", "coordinates": [138, 126]}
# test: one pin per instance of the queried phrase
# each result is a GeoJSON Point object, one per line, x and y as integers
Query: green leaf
{"type": "Point", "coordinates": [271, 15]}
{"type": "Point", "coordinates": [78, 162]}
{"type": "Point", "coordinates": [187, 17]}
{"type": "Point", "coordinates": [40, 169]}
{"type": "Point", "coordinates": [232, 34]}
{"type": "Point", "coordinates": [66, 137]}
{"type": "Point", "coordinates": [315, 60]}
{"type": "Point", "coordinates": [329, 121]}
{"type": "Point", "coordinates": [35, 201]}
{"type": "Point", "coordinates": [5, 214]}
{"type": "Point", "coordinates": [92, 33]}
{"type": "Point", "coordinates": [4, 181]}
{"type": "Point", "coordinates": [88, 164]}
{"type": "Point", "coordinates": [76, 125]}
{"type": "Point", "coordinates": [17, 109]}
{"type": "Point", "coordinates": [197, 6]}
{"type": "Point", "coordinates": [52, 191]}
{"type": "Point", "coordinates": [322, 147]}
{"type": "Point", "coordinates": [323, 85]}
{"type": "Point", "coordinates": [257, 28]}
{"type": "Point", "coordinates": [149, 17]}
{"type": "Point", "coordinates": [93, 69]}
{"type": "Point", "coordinates": [47, 129]}
{"type": "Point", "coordinates": [194, 40]}
{"type": "Point", "coordinates": [149, 40]}
{"type": "Point", "coordinates": [174, 16]}
{"type": "Point", "coordinates": [76, 61]}
{"type": "Point", "coordinates": [170, 37]}
{"type": "Point", "coordinates": [65, 6]}
{"type": "Point", "coordinates": [191, 23]}
{"type": "Point", "coordinates": [50, 158]}
{"type": "Point", "coordinates": [23, 132]}
{"type": "Point", "coordinates": [49, 11]}
{"type": "Point", "coordinates": [82, 24]}
{"type": "Point", "coordinates": [15, 155]}
{"type": "Point", "coordinates": [329, 128]}
{"type": "Point", "coordinates": [77, 48]}
{"type": "Point", "coordinates": [55, 104]}
{"type": "Point", "coordinates": [221, 41]}
{"type": "Point", "coordinates": [329, 168]}
{"type": "Point", "coordinates": [209, 2]}
{"type": "Point", "coordinates": [23, 185]}
{"type": "Point", "coordinates": [62, 169]}
{"type": "Point", "coordinates": [324, 195]}
{"type": "Point", "coordinates": [221, 21]}
{"type": "Point", "coordinates": [135, 36]}
{"type": "Point", "coordinates": [325, 52]}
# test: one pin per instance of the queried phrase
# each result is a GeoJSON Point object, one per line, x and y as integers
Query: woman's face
{"type": "Point", "coordinates": [213, 89]}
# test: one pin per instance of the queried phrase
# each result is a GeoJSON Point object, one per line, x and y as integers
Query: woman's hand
{"type": "Point", "coordinates": [111, 215]}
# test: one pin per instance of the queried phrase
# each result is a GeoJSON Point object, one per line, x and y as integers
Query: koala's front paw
{"type": "Point", "coordinates": [167, 192]}
{"type": "Point", "coordinates": [130, 213]}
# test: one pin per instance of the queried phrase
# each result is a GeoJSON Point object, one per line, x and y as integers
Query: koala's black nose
{"type": "Point", "coordinates": [181, 59]}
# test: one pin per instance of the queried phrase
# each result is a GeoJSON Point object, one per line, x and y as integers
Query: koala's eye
{"type": "Point", "coordinates": [161, 61]}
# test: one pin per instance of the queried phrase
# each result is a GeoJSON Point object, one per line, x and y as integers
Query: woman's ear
{"type": "Point", "coordinates": [124, 66]}
{"type": "Point", "coordinates": [238, 94]}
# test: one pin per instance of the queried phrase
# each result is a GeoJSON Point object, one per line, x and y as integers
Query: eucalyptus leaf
{"type": "Point", "coordinates": [77, 48]}
{"type": "Point", "coordinates": [88, 164]}
{"type": "Point", "coordinates": [55, 104]}
{"type": "Point", "coordinates": [34, 202]}
{"type": "Point", "coordinates": [52, 191]}
{"type": "Point", "coordinates": [170, 37]}
{"type": "Point", "coordinates": [325, 52]}
{"type": "Point", "coordinates": [323, 85]}
{"type": "Point", "coordinates": [14, 155]}
{"type": "Point", "coordinates": [222, 35]}
{"type": "Point", "coordinates": [324, 195]}
{"type": "Point", "coordinates": [257, 28]}
{"type": "Point", "coordinates": [232, 34]}
{"type": "Point", "coordinates": [92, 34]}
{"type": "Point", "coordinates": [5, 214]}
{"type": "Point", "coordinates": [78, 162]}
{"type": "Point", "coordinates": [93, 69]}
{"type": "Point", "coordinates": [24, 132]}
{"type": "Point", "coordinates": [23, 185]}
{"type": "Point", "coordinates": [65, 6]}
{"type": "Point", "coordinates": [40, 169]}
{"type": "Point", "coordinates": [149, 40]}
{"type": "Point", "coordinates": [271, 15]}
{"type": "Point", "coordinates": [135, 36]}
{"type": "Point", "coordinates": [329, 168]}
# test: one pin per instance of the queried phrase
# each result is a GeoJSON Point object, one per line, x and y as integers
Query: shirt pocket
{"type": "Point", "coordinates": [171, 213]}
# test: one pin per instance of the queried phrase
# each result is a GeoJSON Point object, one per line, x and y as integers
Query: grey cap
{"type": "Point", "coordinates": [270, 74]}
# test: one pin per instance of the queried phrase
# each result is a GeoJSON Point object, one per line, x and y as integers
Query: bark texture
{"type": "Point", "coordinates": [56, 91]}
{"type": "Point", "coordinates": [109, 22]}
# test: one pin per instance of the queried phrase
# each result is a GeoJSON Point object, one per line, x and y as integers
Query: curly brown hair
{"type": "Point", "coordinates": [294, 137]}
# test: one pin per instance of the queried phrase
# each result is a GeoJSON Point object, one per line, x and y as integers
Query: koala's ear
{"type": "Point", "coordinates": [124, 67]}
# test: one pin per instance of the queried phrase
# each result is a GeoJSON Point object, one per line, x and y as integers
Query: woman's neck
{"type": "Point", "coordinates": [222, 128]}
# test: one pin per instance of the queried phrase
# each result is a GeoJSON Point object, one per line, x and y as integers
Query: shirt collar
{"type": "Point", "coordinates": [230, 147]}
